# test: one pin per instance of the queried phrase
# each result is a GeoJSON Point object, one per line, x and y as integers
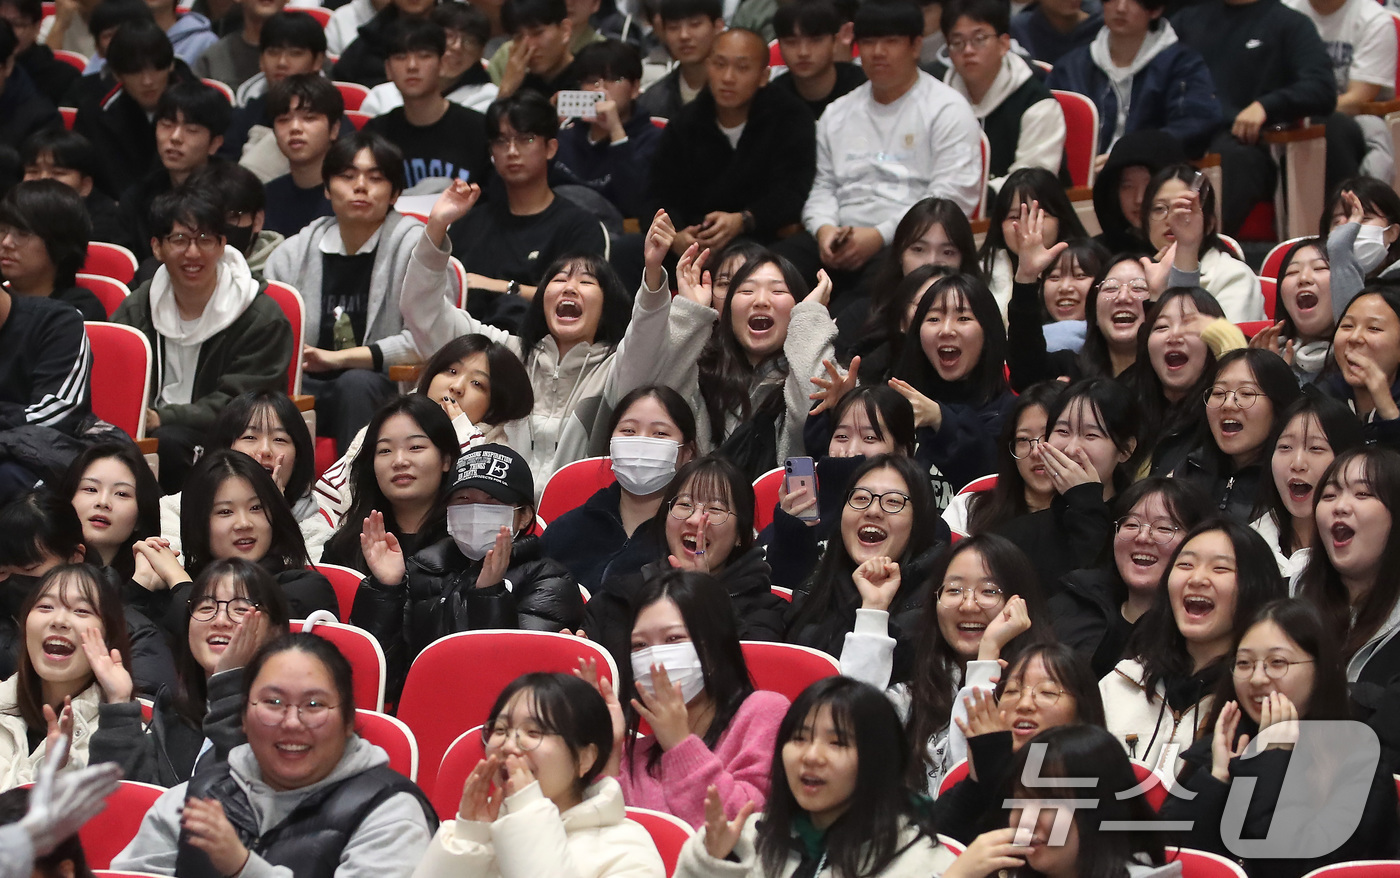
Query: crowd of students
{"type": "Point", "coordinates": [1181, 556]}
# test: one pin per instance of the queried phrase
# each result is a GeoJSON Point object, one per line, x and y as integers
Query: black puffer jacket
{"type": "Point", "coordinates": [1087, 615]}
{"type": "Point", "coordinates": [439, 597]}
{"type": "Point", "coordinates": [1234, 491]}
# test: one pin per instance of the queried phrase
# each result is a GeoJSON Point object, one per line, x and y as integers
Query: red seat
{"type": "Point", "coordinates": [1200, 864]}
{"type": "Point", "coordinates": [391, 734]}
{"type": "Point", "coordinates": [364, 653]}
{"type": "Point", "coordinates": [572, 485]}
{"type": "Point", "coordinates": [952, 844]}
{"type": "Point", "coordinates": [658, 122]}
{"type": "Point", "coordinates": [1358, 869]}
{"type": "Point", "coordinates": [765, 497]}
{"type": "Point", "coordinates": [109, 291]}
{"type": "Point", "coordinates": [1274, 260]}
{"type": "Point", "coordinates": [352, 93]}
{"type": "Point", "coordinates": [220, 87]}
{"type": "Point", "coordinates": [1081, 135]}
{"type": "Point", "coordinates": [108, 873]}
{"type": "Point", "coordinates": [105, 835]}
{"type": "Point", "coordinates": [453, 683]}
{"type": "Point", "coordinates": [784, 593]}
{"type": "Point", "coordinates": [357, 118]}
{"type": "Point", "coordinates": [461, 756]}
{"type": "Point", "coordinates": [70, 116]}
{"type": "Point", "coordinates": [289, 300]}
{"type": "Point", "coordinates": [76, 60]}
{"type": "Point", "coordinates": [787, 668]}
{"type": "Point", "coordinates": [110, 260]}
{"type": "Point", "coordinates": [1251, 328]}
{"type": "Point", "coordinates": [1269, 288]}
{"type": "Point", "coordinates": [980, 211]}
{"type": "Point", "coordinates": [775, 55]}
{"type": "Point", "coordinates": [668, 833]}
{"type": "Point", "coordinates": [121, 376]}
{"type": "Point", "coordinates": [984, 483]}
{"type": "Point", "coordinates": [346, 583]}
{"type": "Point", "coordinates": [460, 272]}
{"type": "Point", "coordinates": [1258, 225]}
{"type": "Point", "coordinates": [320, 13]}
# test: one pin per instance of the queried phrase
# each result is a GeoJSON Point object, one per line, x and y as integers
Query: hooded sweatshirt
{"type": "Point", "coordinates": [1120, 79]}
{"type": "Point", "coordinates": [190, 35]}
{"type": "Point", "coordinates": [1150, 149]}
{"type": "Point", "coordinates": [1023, 122]}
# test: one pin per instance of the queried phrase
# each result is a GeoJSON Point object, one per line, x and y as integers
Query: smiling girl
{"type": "Point", "coordinates": [1366, 352]}
{"type": "Point", "coordinates": [116, 499]}
{"type": "Point", "coordinates": [1022, 485]}
{"type": "Point", "coordinates": [1000, 251]}
{"type": "Point", "coordinates": [1304, 308]}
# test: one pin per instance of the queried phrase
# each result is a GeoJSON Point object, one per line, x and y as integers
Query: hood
{"type": "Point", "coordinates": [187, 25]}
{"type": "Point", "coordinates": [235, 291]}
{"type": "Point", "coordinates": [1153, 44]}
{"type": "Point", "coordinates": [273, 806]}
{"type": "Point", "coordinates": [1153, 150]}
{"type": "Point", "coordinates": [1013, 74]}
{"type": "Point", "coordinates": [602, 806]}
{"type": "Point", "coordinates": [262, 247]}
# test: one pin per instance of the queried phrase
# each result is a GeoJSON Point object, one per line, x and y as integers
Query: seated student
{"type": "Point", "coordinates": [1119, 187]}
{"type": "Point", "coordinates": [306, 112]}
{"type": "Point", "coordinates": [1140, 77]}
{"type": "Point", "coordinates": [190, 120]}
{"type": "Point", "coordinates": [860, 817]}
{"type": "Point", "coordinates": [97, 79]}
{"type": "Point", "coordinates": [343, 772]}
{"type": "Point", "coordinates": [488, 573]}
{"type": "Point", "coordinates": [363, 60]}
{"type": "Point", "coordinates": [544, 38]}
{"type": "Point", "coordinates": [1029, 190]}
{"type": "Point", "coordinates": [505, 242]}
{"type": "Point", "coordinates": [812, 36]}
{"type": "Point", "coordinates": [117, 499]}
{"type": "Point", "coordinates": [612, 154]}
{"type": "Point", "coordinates": [70, 604]}
{"type": "Point", "coordinates": [1359, 225]}
{"type": "Point", "coordinates": [1289, 79]}
{"type": "Point", "coordinates": [739, 159]}
{"type": "Point", "coordinates": [216, 334]}
{"type": "Point", "coordinates": [1286, 666]}
{"type": "Point", "coordinates": [189, 32]}
{"type": "Point", "coordinates": [1366, 356]}
{"type": "Point", "coordinates": [233, 608]}
{"type": "Point", "coordinates": [244, 201]}
{"type": "Point", "coordinates": [292, 44]}
{"type": "Point", "coordinates": [23, 109]}
{"type": "Point", "coordinates": [461, 77]}
{"type": "Point", "coordinates": [234, 59]}
{"type": "Point", "coordinates": [43, 243]}
{"type": "Point", "coordinates": [1024, 124]}
{"type": "Point", "coordinates": [688, 29]}
{"type": "Point", "coordinates": [69, 158]}
{"type": "Point", "coordinates": [550, 736]}
{"type": "Point", "coordinates": [1051, 28]}
{"type": "Point", "coordinates": [349, 269]}
{"type": "Point", "coordinates": [926, 136]}
{"type": "Point", "coordinates": [437, 137]}
{"type": "Point", "coordinates": [51, 77]}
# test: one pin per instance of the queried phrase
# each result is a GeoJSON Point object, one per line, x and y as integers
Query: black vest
{"type": "Point", "coordinates": [310, 840]}
{"type": "Point", "coordinates": [1003, 127]}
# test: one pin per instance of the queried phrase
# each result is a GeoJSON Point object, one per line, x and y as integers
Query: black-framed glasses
{"type": "Point", "coordinates": [527, 738]}
{"type": "Point", "coordinates": [273, 712]}
{"type": "Point", "coordinates": [1244, 397]}
{"type": "Point", "coordinates": [204, 241]}
{"type": "Point", "coordinates": [205, 609]}
{"type": "Point", "coordinates": [985, 596]}
{"type": "Point", "coordinates": [1022, 446]}
{"type": "Point", "coordinates": [893, 502]}
{"type": "Point", "coordinates": [683, 508]}
{"type": "Point", "coordinates": [1275, 667]}
{"type": "Point", "coordinates": [1160, 530]}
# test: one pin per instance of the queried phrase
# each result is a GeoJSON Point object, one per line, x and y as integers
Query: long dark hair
{"type": "Point", "coordinates": [1116, 410]}
{"type": "Point", "coordinates": [882, 327]}
{"type": "Point", "coordinates": [617, 304]}
{"type": "Point", "coordinates": [677, 409]}
{"type": "Point", "coordinates": [986, 510]}
{"type": "Point", "coordinates": [987, 380]}
{"type": "Point", "coordinates": [865, 839]}
{"type": "Point", "coordinates": [881, 403]}
{"type": "Point", "coordinates": [512, 396]}
{"type": "Point", "coordinates": [937, 667]}
{"type": "Point", "coordinates": [251, 581]}
{"type": "Point", "coordinates": [1343, 432]}
{"type": "Point", "coordinates": [568, 707]}
{"type": "Point", "coordinates": [1160, 416]}
{"type": "Point", "coordinates": [1094, 357]}
{"type": "Point", "coordinates": [917, 220]}
{"type": "Point", "coordinates": [1186, 173]}
{"type": "Point", "coordinates": [726, 375]}
{"type": "Point", "coordinates": [364, 484]}
{"type": "Point", "coordinates": [258, 407]}
{"type": "Point", "coordinates": [1158, 644]}
{"type": "Point", "coordinates": [713, 625]}
{"type": "Point", "coordinates": [147, 496]}
{"type": "Point", "coordinates": [287, 548]}
{"type": "Point", "coordinates": [1280, 308]}
{"type": "Point", "coordinates": [1066, 667]}
{"type": "Point", "coordinates": [1322, 585]}
{"type": "Point", "coordinates": [1023, 187]}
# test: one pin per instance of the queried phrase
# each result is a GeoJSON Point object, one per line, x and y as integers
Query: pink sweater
{"type": "Point", "coordinates": [739, 767]}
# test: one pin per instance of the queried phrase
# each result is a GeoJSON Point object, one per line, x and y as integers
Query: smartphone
{"type": "Point", "coordinates": [578, 104]}
{"type": "Point", "coordinates": [1197, 182]}
{"type": "Point", "coordinates": [801, 472]}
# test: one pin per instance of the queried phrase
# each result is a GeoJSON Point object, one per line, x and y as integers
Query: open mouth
{"type": "Point", "coordinates": [949, 356]}
{"type": "Point", "coordinates": [1025, 728]}
{"type": "Point", "coordinates": [568, 309]}
{"type": "Point", "coordinates": [1124, 318]}
{"type": "Point", "coordinates": [691, 542]}
{"type": "Point", "coordinates": [811, 784]}
{"type": "Point", "coordinates": [871, 535]}
{"type": "Point", "coordinates": [293, 751]}
{"type": "Point", "coordinates": [1197, 606]}
{"type": "Point", "coordinates": [1306, 301]}
{"type": "Point", "coordinates": [1230, 426]}
{"type": "Point", "coordinates": [1176, 359]}
{"type": "Point", "coordinates": [100, 521]}
{"type": "Point", "coordinates": [972, 629]}
{"type": "Point", "coordinates": [59, 647]}
{"type": "Point", "coordinates": [1067, 304]}
{"type": "Point", "coordinates": [217, 642]}
{"type": "Point", "coordinates": [761, 323]}
{"type": "Point", "coordinates": [245, 544]}
{"type": "Point", "coordinates": [1299, 490]}
{"type": "Point", "coordinates": [1342, 534]}
{"type": "Point", "coordinates": [1143, 560]}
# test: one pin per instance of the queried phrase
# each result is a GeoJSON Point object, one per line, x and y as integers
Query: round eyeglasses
{"type": "Point", "coordinates": [986, 596]}
{"type": "Point", "coordinates": [1275, 667]}
{"type": "Point", "coordinates": [527, 738]}
{"type": "Point", "coordinates": [1022, 446]}
{"type": "Point", "coordinates": [892, 502]}
{"type": "Point", "coordinates": [682, 509]}
{"type": "Point", "coordinates": [205, 609]}
{"type": "Point", "coordinates": [1159, 530]}
{"type": "Point", "coordinates": [1042, 696]}
{"type": "Point", "coordinates": [1244, 397]}
{"type": "Point", "coordinates": [273, 712]}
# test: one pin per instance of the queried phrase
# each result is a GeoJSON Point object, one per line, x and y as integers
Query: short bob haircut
{"type": "Point", "coordinates": [263, 409]}
{"type": "Point", "coordinates": [287, 550]}
{"type": "Point", "coordinates": [865, 839]}
{"type": "Point", "coordinates": [527, 111]}
{"type": "Point", "coordinates": [1187, 505]}
{"type": "Point", "coordinates": [387, 157]}
{"type": "Point", "coordinates": [196, 210]}
{"type": "Point", "coordinates": [986, 381]}
{"type": "Point", "coordinates": [1342, 431]}
{"type": "Point", "coordinates": [608, 59]}
{"type": "Point", "coordinates": [617, 302]}
{"type": "Point", "coordinates": [1116, 410]}
{"type": "Point", "coordinates": [1067, 668]}
{"type": "Point", "coordinates": [293, 29]}
{"type": "Point", "coordinates": [45, 528]}
{"type": "Point", "coordinates": [67, 149]}
{"type": "Point", "coordinates": [512, 396]}
{"type": "Point", "coordinates": [56, 214]}
{"type": "Point", "coordinates": [566, 706]}
{"type": "Point", "coordinates": [889, 18]}
{"type": "Point", "coordinates": [312, 92]}
{"type": "Point", "coordinates": [714, 479]}
{"type": "Point", "coordinates": [323, 651]}
{"type": "Point", "coordinates": [147, 495]}
{"type": "Point", "coordinates": [1376, 198]}
{"type": "Point", "coordinates": [98, 592]}
{"type": "Point", "coordinates": [249, 580]}
{"type": "Point", "coordinates": [198, 104]}
{"type": "Point", "coordinates": [1319, 245]}
{"type": "Point", "coordinates": [713, 626]}
{"type": "Point", "coordinates": [139, 45]}
{"type": "Point", "coordinates": [677, 409]}
{"type": "Point", "coordinates": [1086, 254]}
{"type": "Point", "coordinates": [416, 35]}
{"type": "Point", "coordinates": [882, 405]}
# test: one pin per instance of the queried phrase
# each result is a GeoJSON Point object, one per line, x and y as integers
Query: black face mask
{"type": "Point", "coordinates": [239, 237]}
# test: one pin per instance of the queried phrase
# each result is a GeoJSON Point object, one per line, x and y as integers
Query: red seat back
{"type": "Point", "coordinates": [461, 757]}
{"type": "Point", "coordinates": [1268, 287]}
{"type": "Point", "coordinates": [110, 260]}
{"type": "Point", "coordinates": [1081, 135]}
{"type": "Point", "coordinates": [983, 483]}
{"type": "Point", "coordinates": [105, 835]}
{"type": "Point", "coordinates": [346, 583]}
{"type": "Point", "coordinates": [955, 774]}
{"type": "Point", "coordinates": [289, 300]}
{"type": "Point", "coordinates": [361, 650]}
{"type": "Point", "coordinates": [121, 376]}
{"type": "Point", "coordinates": [109, 291]}
{"type": "Point", "coordinates": [1199, 864]}
{"type": "Point", "coordinates": [357, 118]}
{"type": "Point", "coordinates": [1274, 260]}
{"type": "Point", "coordinates": [668, 833]}
{"type": "Point", "coordinates": [765, 497]}
{"type": "Point", "coordinates": [352, 93]}
{"type": "Point", "coordinates": [69, 115]}
{"type": "Point", "coordinates": [72, 59]}
{"type": "Point", "coordinates": [320, 13]}
{"type": "Point", "coordinates": [393, 736]}
{"type": "Point", "coordinates": [572, 485]}
{"type": "Point", "coordinates": [787, 668]}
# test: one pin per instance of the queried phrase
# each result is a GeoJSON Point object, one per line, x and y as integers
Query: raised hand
{"type": "Point", "coordinates": [1187, 223]}
{"type": "Point", "coordinates": [1356, 213]}
{"type": "Point", "coordinates": [209, 830]}
{"type": "Point", "coordinates": [701, 563]}
{"type": "Point", "coordinates": [877, 580]}
{"type": "Point", "coordinates": [1033, 257]}
{"type": "Point", "coordinates": [1360, 370]}
{"type": "Point", "coordinates": [821, 293]}
{"type": "Point", "coordinates": [496, 562]}
{"type": "Point", "coordinates": [1271, 339]}
{"type": "Point", "coordinates": [721, 835]}
{"type": "Point", "coordinates": [107, 667]}
{"type": "Point", "coordinates": [989, 853]}
{"type": "Point", "coordinates": [1222, 748]}
{"type": "Point", "coordinates": [246, 639]}
{"type": "Point", "coordinates": [835, 386]}
{"type": "Point", "coordinates": [383, 554]}
{"type": "Point", "coordinates": [927, 413]}
{"type": "Point", "coordinates": [692, 281]}
{"type": "Point", "coordinates": [60, 728]}
{"type": "Point", "coordinates": [658, 243]}
{"type": "Point", "coordinates": [478, 804]}
{"type": "Point", "coordinates": [587, 671]}
{"type": "Point", "coordinates": [1158, 272]}
{"type": "Point", "coordinates": [1065, 471]}
{"type": "Point", "coordinates": [1278, 722]}
{"type": "Point", "coordinates": [518, 775]}
{"type": "Point", "coordinates": [983, 715]}
{"type": "Point", "coordinates": [455, 202]}
{"type": "Point", "coordinates": [664, 709]}
{"type": "Point", "coordinates": [1013, 620]}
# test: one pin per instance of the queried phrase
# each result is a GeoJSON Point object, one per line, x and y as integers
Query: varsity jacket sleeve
{"type": "Point", "coordinates": [432, 320]}
{"type": "Point", "coordinates": [58, 360]}
{"type": "Point", "coordinates": [821, 208]}
{"type": "Point", "coordinates": [1042, 140]}
{"type": "Point", "coordinates": [1313, 91]}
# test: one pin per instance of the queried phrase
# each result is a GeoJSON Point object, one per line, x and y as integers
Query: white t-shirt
{"type": "Point", "coordinates": [733, 133]}
{"type": "Point", "coordinates": [1360, 40]}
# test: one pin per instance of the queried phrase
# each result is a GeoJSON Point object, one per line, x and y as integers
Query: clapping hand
{"type": "Point", "coordinates": [721, 834]}
{"type": "Point", "coordinates": [383, 554]}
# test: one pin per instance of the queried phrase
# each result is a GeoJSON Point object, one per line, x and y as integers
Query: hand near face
{"type": "Point", "coordinates": [821, 293]}
{"type": "Point", "coordinates": [60, 728]}
{"type": "Point", "coordinates": [518, 775]}
{"type": "Point", "coordinates": [877, 580]}
{"type": "Point", "coordinates": [658, 243]}
{"type": "Point", "coordinates": [1065, 471]}
{"type": "Point", "coordinates": [478, 803]}
{"type": "Point", "coordinates": [833, 388]}
{"type": "Point", "coordinates": [112, 676]}
{"type": "Point", "coordinates": [721, 835]}
{"type": "Point", "coordinates": [664, 709]}
{"type": "Point", "coordinates": [1278, 722]}
{"type": "Point", "coordinates": [1011, 621]}
{"type": "Point", "coordinates": [984, 716]}
{"type": "Point", "coordinates": [1221, 749]}
{"type": "Point", "coordinates": [383, 554]}
{"type": "Point", "coordinates": [246, 639]}
{"type": "Point", "coordinates": [692, 281]}
{"type": "Point", "coordinates": [1033, 257]}
{"type": "Point", "coordinates": [989, 853]}
{"type": "Point", "coordinates": [927, 413]}
{"type": "Point", "coordinates": [1271, 339]}
{"type": "Point", "coordinates": [496, 562]}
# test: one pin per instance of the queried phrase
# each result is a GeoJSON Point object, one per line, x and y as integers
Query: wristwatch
{"type": "Point", "coordinates": [513, 288]}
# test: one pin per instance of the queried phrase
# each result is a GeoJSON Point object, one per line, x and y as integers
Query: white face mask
{"type": "Point", "coordinates": [641, 465]}
{"type": "Point", "coordinates": [1370, 249]}
{"type": "Point", "coordinates": [682, 664]}
{"type": "Point", "coordinates": [474, 526]}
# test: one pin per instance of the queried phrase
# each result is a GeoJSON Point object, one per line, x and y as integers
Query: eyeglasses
{"type": "Point", "coordinates": [1160, 211]}
{"type": "Point", "coordinates": [892, 502]}
{"type": "Point", "coordinates": [1159, 530]}
{"type": "Point", "coordinates": [986, 597]}
{"type": "Point", "coordinates": [20, 236]}
{"type": "Point", "coordinates": [1042, 696]}
{"type": "Point", "coordinates": [273, 712]}
{"type": "Point", "coordinates": [208, 608]}
{"type": "Point", "coordinates": [976, 41]}
{"type": "Point", "coordinates": [1138, 288]}
{"type": "Point", "coordinates": [600, 81]}
{"type": "Point", "coordinates": [205, 242]}
{"type": "Point", "coordinates": [1022, 446]}
{"type": "Point", "coordinates": [1244, 397]}
{"type": "Point", "coordinates": [519, 141]}
{"type": "Point", "coordinates": [527, 738]}
{"type": "Point", "coordinates": [682, 509]}
{"type": "Point", "coordinates": [1275, 667]}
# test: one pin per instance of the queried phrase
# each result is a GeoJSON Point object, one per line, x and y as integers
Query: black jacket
{"type": "Point", "coordinates": [124, 136]}
{"type": "Point", "coordinates": [1375, 696]}
{"type": "Point", "coordinates": [1087, 615]}
{"type": "Point", "coordinates": [1233, 493]}
{"type": "Point", "coordinates": [593, 544]}
{"type": "Point", "coordinates": [1027, 360]}
{"type": "Point", "coordinates": [663, 99]}
{"type": "Point", "coordinates": [439, 597]}
{"type": "Point", "coordinates": [1153, 150]}
{"type": "Point", "coordinates": [1073, 533]}
{"type": "Point", "coordinates": [51, 77]}
{"type": "Point", "coordinates": [696, 170]}
{"type": "Point", "coordinates": [363, 60]}
{"type": "Point", "coordinates": [23, 109]}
